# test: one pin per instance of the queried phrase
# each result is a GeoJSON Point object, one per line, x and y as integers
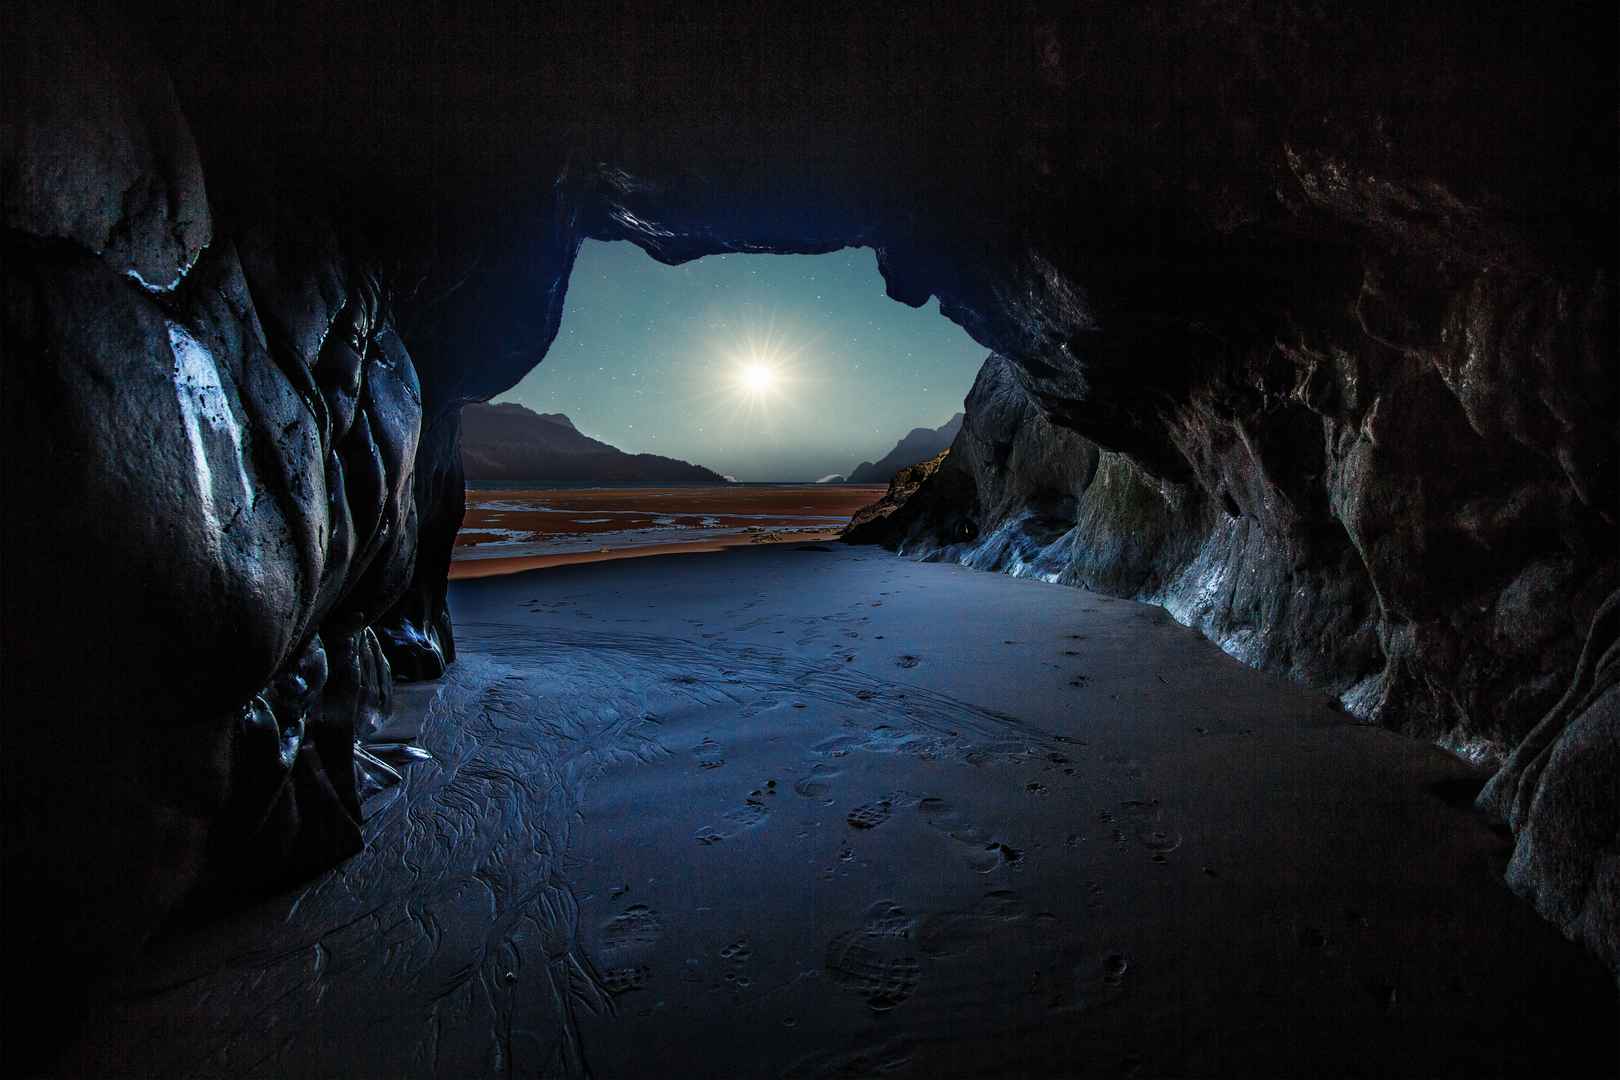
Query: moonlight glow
{"type": "Point", "coordinates": [662, 359]}
{"type": "Point", "coordinates": [761, 381]}
{"type": "Point", "coordinates": [757, 379]}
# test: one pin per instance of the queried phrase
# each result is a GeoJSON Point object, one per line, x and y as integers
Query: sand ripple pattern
{"type": "Point", "coordinates": [454, 935]}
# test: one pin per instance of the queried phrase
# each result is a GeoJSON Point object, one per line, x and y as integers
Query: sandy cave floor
{"type": "Point", "coordinates": [805, 810]}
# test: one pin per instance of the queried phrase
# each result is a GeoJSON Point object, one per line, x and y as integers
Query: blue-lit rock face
{"type": "Point", "coordinates": [211, 437]}
{"type": "Point", "coordinates": [1307, 333]}
{"type": "Point", "coordinates": [1489, 672]}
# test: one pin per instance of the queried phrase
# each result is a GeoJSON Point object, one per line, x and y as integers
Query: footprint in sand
{"type": "Point", "coordinates": [876, 961]}
{"type": "Point", "coordinates": [983, 852]}
{"type": "Point", "coordinates": [708, 754]}
{"type": "Point", "coordinates": [954, 933]}
{"type": "Point", "coordinates": [871, 815]}
{"type": "Point", "coordinates": [888, 919]}
{"type": "Point", "coordinates": [1096, 982]}
{"type": "Point", "coordinates": [839, 745]}
{"type": "Point", "coordinates": [818, 783]}
{"type": "Point", "coordinates": [636, 927]}
{"type": "Point", "coordinates": [995, 855]}
{"type": "Point", "coordinates": [750, 813]}
{"type": "Point", "coordinates": [1145, 819]}
{"type": "Point", "coordinates": [622, 980]}
{"type": "Point", "coordinates": [1160, 842]}
{"type": "Point", "coordinates": [736, 957]}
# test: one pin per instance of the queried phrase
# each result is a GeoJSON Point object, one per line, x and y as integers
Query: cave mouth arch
{"type": "Point", "coordinates": [655, 359]}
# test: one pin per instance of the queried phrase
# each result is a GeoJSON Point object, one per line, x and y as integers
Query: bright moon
{"type": "Point", "coordinates": [756, 378]}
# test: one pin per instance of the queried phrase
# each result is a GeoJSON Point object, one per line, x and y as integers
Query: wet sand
{"type": "Point", "coordinates": [463, 570]}
{"type": "Point", "coordinates": [805, 810]}
{"type": "Point", "coordinates": [506, 531]}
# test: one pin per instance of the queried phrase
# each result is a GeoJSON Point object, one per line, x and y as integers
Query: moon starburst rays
{"type": "Point", "coordinates": [762, 380]}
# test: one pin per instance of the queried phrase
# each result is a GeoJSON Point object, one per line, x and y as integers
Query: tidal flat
{"type": "Point", "coordinates": [511, 529]}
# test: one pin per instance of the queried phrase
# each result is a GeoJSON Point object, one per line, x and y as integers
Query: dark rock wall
{"type": "Point", "coordinates": [1311, 311]}
{"type": "Point", "coordinates": [1227, 553]}
{"type": "Point", "coordinates": [211, 430]}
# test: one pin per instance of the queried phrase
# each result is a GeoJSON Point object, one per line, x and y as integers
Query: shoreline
{"type": "Point", "coordinates": [513, 529]}
{"type": "Point", "coordinates": [500, 566]}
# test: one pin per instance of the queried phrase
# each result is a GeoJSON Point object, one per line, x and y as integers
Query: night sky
{"type": "Point", "coordinates": [651, 358]}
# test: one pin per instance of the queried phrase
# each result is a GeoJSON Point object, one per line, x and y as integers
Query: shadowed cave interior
{"type": "Point", "coordinates": [1301, 334]}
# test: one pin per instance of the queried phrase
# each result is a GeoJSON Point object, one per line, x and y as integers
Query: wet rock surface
{"type": "Point", "coordinates": [1330, 295]}
{"type": "Point", "coordinates": [870, 524]}
{"type": "Point", "coordinates": [1017, 495]}
{"type": "Point", "coordinates": [211, 436]}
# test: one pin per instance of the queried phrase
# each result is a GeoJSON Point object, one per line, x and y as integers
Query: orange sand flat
{"type": "Point", "coordinates": [482, 568]}
{"type": "Point", "coordinates": [579, 512]}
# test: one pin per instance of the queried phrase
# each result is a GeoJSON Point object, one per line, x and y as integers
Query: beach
{"type": "Point", "coordinates": [816, 811]}
{"type": "Point", "coordinates": [512, 529]}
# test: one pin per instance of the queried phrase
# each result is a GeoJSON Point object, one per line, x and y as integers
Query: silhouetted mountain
{"type": "Point", "coordinates": [920, 444]}
{"type": "Point", "coordinates": [511, 444]}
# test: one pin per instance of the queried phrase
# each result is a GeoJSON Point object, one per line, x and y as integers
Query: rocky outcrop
{"type": "Point", "coordinates": [870, 524]}
{"type": "Point", "coordinates": [1311, 311]}
{"type": "Point", "coordinates": [210, 433]}
{"type": "Point", "coordinates": [509, 444]}
{"type": "Point", "coordinates": [1234, 559]}
{"type": "Point", "coordinates": [918, 445]}
{"type": "Point", "coordinates": [1558, 792]}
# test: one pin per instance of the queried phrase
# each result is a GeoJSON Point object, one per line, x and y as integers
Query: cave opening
{"type": "Point", "coordinates": [792, 379]}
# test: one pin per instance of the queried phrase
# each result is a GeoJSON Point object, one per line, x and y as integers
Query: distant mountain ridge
{"type": "Point", "coordinates": [919, 445]}
{"type": "Point", "coordinates": [512, 444]}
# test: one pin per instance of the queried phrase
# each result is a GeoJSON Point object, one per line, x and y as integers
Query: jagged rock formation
{"type": "Point", "coordinates": [1018, 495]}
{"type": "Point", "coordinates": [1558, 791]}
{"type": "Point", "coordinates": [918, 445]}
{"type": "Point", "coordinates": [211, 432]}
{"type": "Point", "coordinates": [872, 525]}
{"type": "Point", "coordinates": [511, 444]}
{"type": "Point", "coordinates": [1332, 292]}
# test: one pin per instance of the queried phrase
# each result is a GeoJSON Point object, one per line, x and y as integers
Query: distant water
{"type": "Point", "coordinates": [560, 519]}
